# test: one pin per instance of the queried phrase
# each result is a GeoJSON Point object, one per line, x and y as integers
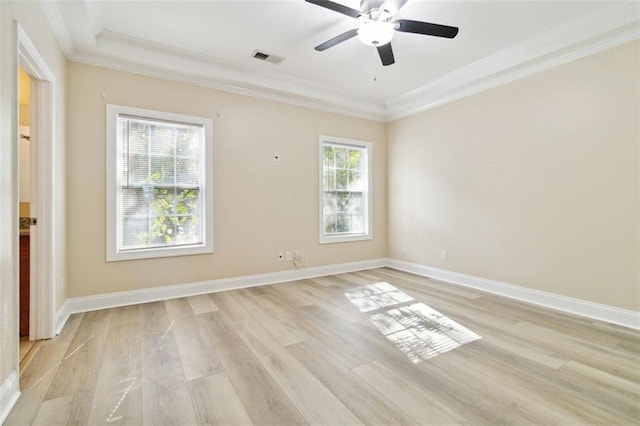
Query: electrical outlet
{"type": "Point", "coordinates": [443, 255]}
{"type": "Point", "coordinates": [280, 257]}
{"type": "Point", "coordinates": [299, 259]}
{"type": "Point", "coordinates": [287, 256]}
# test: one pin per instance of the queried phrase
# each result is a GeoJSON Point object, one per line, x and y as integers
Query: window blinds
{"type": "Point", "coordinates": [160, 184]}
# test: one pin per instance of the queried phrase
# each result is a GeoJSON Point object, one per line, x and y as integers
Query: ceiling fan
{"type": "Point", "coordinates": [376, 27]}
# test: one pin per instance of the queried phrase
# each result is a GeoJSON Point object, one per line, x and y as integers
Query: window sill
{"type": "Point", "coordinates": [329, 239]}
{"type": "Point", "coordinates": [158, 252]}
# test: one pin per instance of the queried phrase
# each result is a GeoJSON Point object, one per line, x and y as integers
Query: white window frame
{"type": "Point", "coordinates": [367, 193]}
{"type": "Point", "coordinates": [113, 207]}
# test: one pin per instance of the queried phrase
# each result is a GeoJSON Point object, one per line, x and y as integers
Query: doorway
{"type": "Point", "coordinates": [34, 179]}
{"type": "Point", "coordinates": [24, 207]}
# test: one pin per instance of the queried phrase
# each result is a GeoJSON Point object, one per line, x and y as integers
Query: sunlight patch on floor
{"type": "Point", "coordinates": [415, 329]}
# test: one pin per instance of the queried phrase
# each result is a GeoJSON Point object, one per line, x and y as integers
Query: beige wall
{"type": "Point", "coordinates": [534, 183]}
{"type": "Point", "coordinates": [261, 206]}
{"type": "Point", "coordinates": [35, 25]}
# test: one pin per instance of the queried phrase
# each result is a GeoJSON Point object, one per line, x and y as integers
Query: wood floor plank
{"type": "Point", "coordinates": [35, 381]}
{"type": "Point", "coordinates": [623, 334]}
{"type": "Point", "coordinates": [68, 332]}
{"type": "Point", "coordinates": [390, 275]}
{"type": "Point", "coordinates": [197, 355]}
{"type": "Point", "coordinates": [618, 384]}
{"type": "Point", "coordinates": [264, 401]}
{"type": "Point", "coordinates": [316, 403]}
{"type": "Point", "coordinates": [365, 402]}
{"type": "Point", "coordinates": [502, 338]}
{"type": "Point", "coordinates": [179, 308]}
{"type": "Point", "coordinates": [331, 299]}
{"type": "Point", "coordinates": [28, 352]}
{"type": "Point", "coordinates": [551, 395]}
{"type": "Point", "coordinates": [292, 294]}
{"type": "Point", "coordinates": [25, 346]}
{"type": "Point", "coordinates": [216, 401]}
{"type": "Point", "coordinates": [578, 328]}
{"type": "Point", "coordinates": [411, 399]}
{"type": "Point", "coordinates": [80, 371]}
{"type": "Point", "coordinates": [274, 318]}
{"type": "Point", "coordinates": [325, 281]}
{"type": "Point", "coordinates": [165, 393]}
{"type": "Point", "coordinates": [226, 302]}
{"type": "Point", "coordinates": [340, 349]}
{"type": "Point", "coordinates": [534, 403]}
{"type": "Point", "coordinates": [202, 304]}
{"type": "Point", "coordinates": [118, 392]}
{"type": "Point", "coordinates": [65, 410]}
{"type": "Point", "coordinates": [604, 358]}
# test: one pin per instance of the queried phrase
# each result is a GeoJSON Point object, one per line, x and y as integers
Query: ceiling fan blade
{"type": "Point", "coordinates": [337, 40]}
{"type": "Point", "coordinates": [392, 6]}
{"type": "Point", "coordinates": [336, 7]}
{"type": "Point", "coordinates": [386, 54]}
{"type": "Point", "coordinates": [418, 27]}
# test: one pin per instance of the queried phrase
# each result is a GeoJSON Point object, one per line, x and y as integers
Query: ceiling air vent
{"type": "Point", "coordinates": [267, 57]}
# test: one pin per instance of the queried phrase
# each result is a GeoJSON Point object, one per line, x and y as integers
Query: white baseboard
{"type": "Point", "coordinates": [112, 300]}
{"type": "Point", "coordinates": [580, 307]}
{"type": "Point", "coordinates": [572, 305]}
{"type": "Point", "coordinates": [9, 394]}
{"type": "Point", "coordinates": [61, 317]}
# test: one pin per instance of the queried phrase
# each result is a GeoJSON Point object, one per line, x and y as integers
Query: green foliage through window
{"type": "Point", "coordinates": [343, 185]}
{"type": "Point", "coordinates": [160, 183]}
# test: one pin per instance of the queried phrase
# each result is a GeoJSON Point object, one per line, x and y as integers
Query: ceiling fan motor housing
{"type": "Point", "coordinates": [369, 6]}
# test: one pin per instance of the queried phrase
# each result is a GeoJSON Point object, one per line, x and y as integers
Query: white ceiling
{"type": "Point", "coordinates": [210, 43]}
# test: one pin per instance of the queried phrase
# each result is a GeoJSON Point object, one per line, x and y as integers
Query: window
{"type": "Point", "coordinates": [345, 182]}
{"type": "Point", "coordinates": [159, 184]}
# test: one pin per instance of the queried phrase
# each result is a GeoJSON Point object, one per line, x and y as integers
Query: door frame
{"type": "Point", "coordinates": [42, 304]}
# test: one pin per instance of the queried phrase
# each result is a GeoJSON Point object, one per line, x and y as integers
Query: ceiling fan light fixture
{"type": "Point", "coordinates": [376, 33]}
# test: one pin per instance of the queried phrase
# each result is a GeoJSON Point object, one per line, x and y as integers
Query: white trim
{"type": "Point", "coordinates": [112, 300]}
{"type": "Point", "coordinates": [43, 268]}
{"type": "Point", "coordinates": [317, 99]}
{"type": "Point", "coordinates": [113, 229]}
{"type": "Point", "coordinates": [367, 147]}
{"type": "Point", "coordinates": [591, 34]}
{"type": "Point", "coordinates": [603, 29]}
{"type": "Point", "coordinates": [444, 93]}
{"type": "Point", "coordinates": [571, 305]}
{"type": "Point", "coordinates": [61, 317]}
{"type": "Point", "coordinates": [51, 11]}
{"type": "Point", "coordinates": [9, 394]}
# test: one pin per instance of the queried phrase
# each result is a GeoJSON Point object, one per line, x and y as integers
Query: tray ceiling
{"type": "Point", "coordinates": [210, 43]}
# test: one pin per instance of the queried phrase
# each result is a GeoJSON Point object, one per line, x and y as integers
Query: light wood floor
{"type": "Point", "coordinates": [28, 349]}
{"type": "Point", "coordinates": [302, 353]}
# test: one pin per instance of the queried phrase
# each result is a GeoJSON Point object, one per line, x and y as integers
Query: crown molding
{"type": "Point", "coordinates": [52, 13]}
{"type": "Point", "coordinates": [588, 35]}
{"type": "Point", "coordinates": [167, 62]}
{"type": "Point", "coordinates": [96, 19]}
{"type": "Point", "coordinates": [591, 34]}
{"type": "Point", "coordinates": [344, 106]}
